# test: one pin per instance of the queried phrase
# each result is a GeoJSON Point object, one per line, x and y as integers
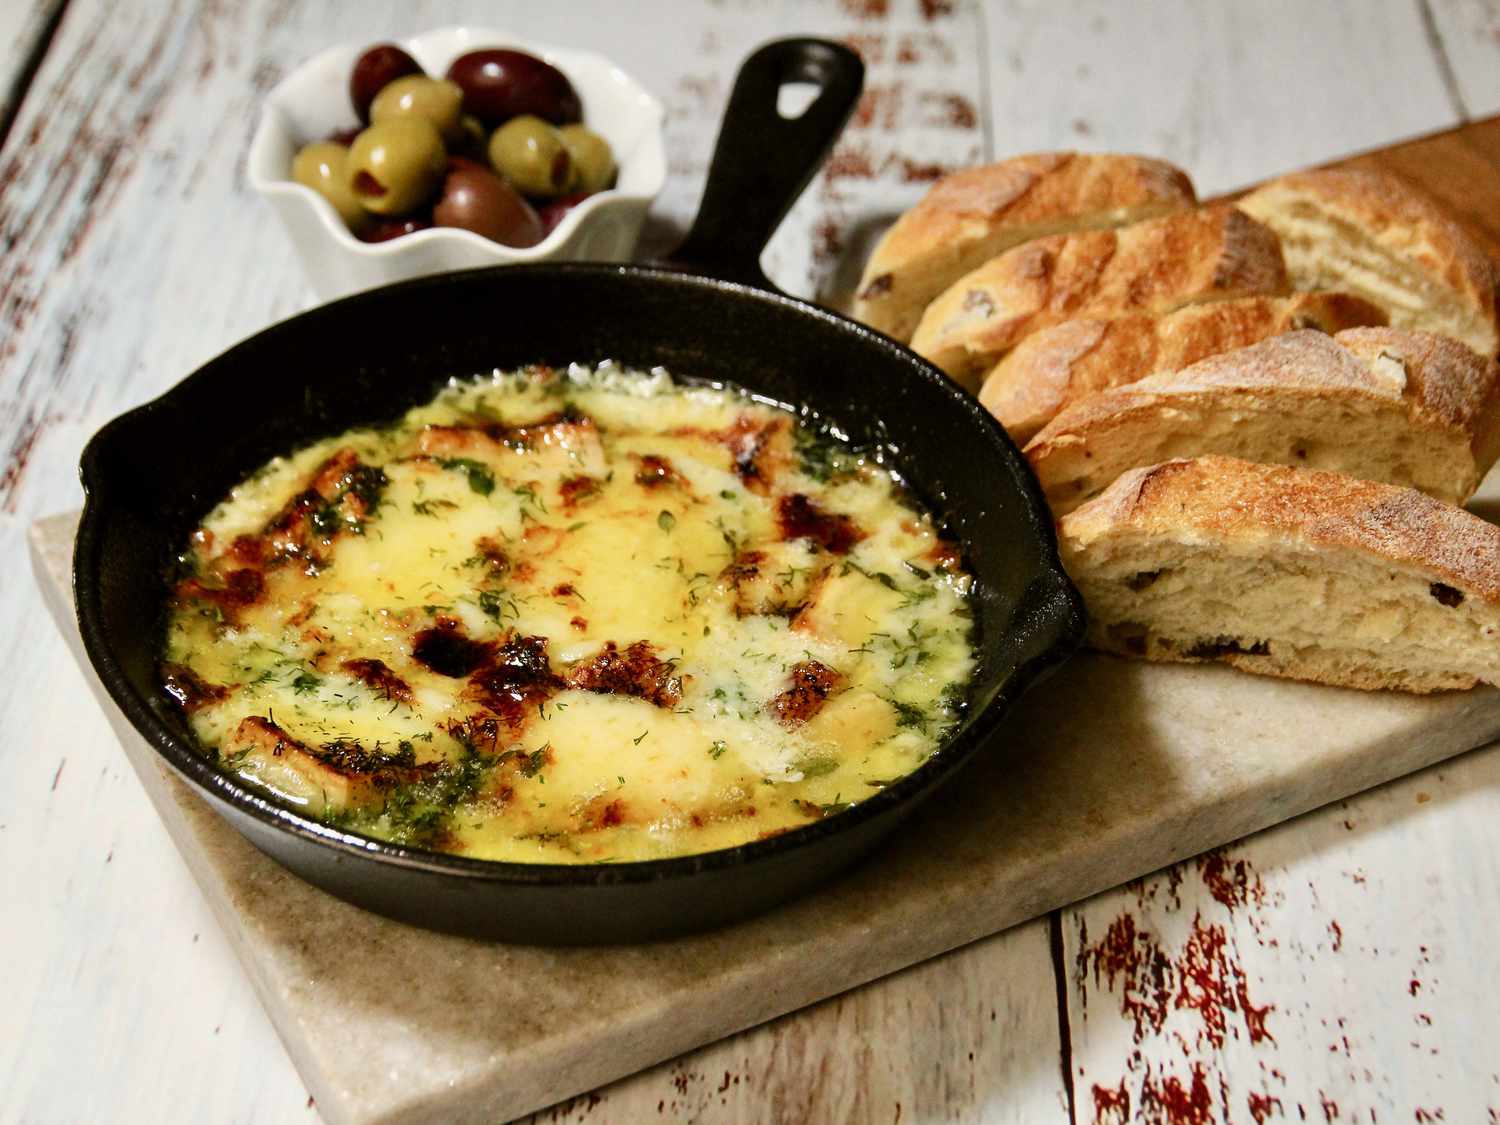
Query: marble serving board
{"type": "Point", "coordinates": [1114, 769]}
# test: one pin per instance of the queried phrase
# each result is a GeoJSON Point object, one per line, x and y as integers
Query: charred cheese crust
{"type": "Point", "coordinates": [571, 617]}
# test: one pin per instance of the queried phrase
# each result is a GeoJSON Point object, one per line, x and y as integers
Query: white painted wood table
{"type": "Point", "coordinates": [1341, 967]}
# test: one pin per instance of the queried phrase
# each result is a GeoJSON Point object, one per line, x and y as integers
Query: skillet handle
{"type": "Point", "coordinates": [762, 160]}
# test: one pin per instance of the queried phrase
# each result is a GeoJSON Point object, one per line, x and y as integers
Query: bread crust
{"type": "Point", "coordinates": [972, 215]}
{"type": "Point", "coordinates": [1452, 384]}
{"type": "Point", "coordinates": [1051, 370]}
{"type": "Point", "coordinates": [1155, 267]}
{"type": "Point", "coordinates": [1402, 219]}
{"type": "Point", "coordinates": [1226, 499]}
{"type": "Point", "coordinates": [1417, 380]}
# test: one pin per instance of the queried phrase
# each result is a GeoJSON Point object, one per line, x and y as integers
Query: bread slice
{"type": "Point", "coordinates": [1289, 572]}
{"type": "Point", "coordinates": [1381, 238]}
{"type": "Point", "coordinates": [1052, 369]}
{"type": "Point", "coordinates": [969, 217]}
{"type": "Point", "coordinates": [1408, 408]}
{"type": "Point", "coordinates": [1215, 253]}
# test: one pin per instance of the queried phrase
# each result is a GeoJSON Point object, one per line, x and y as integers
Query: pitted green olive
{"type": "Point", "coordinates": [416, 95]}
{"type": "Point", "coordinates": [593, 162]}
{"type": "Point", "coordinates": [531, 155]}
{"type": "Point", "coordinates": [322, 167]}
{"type": "Point", "coordinates": [395, 165]}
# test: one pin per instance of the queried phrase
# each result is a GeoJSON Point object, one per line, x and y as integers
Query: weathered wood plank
{"type": "Point", "coordinates": [23, 24]}
{"type": "Point", "coordinates": [1338, 967]}
{"type": "Point", "coordinates": [1468, 34]}
{"type": "Point", "coordinates": [121, 988]}
{"type": "Point", "coordinates": [1232, 92]}
{"type": "Point", "coordinates": [972, 1036]}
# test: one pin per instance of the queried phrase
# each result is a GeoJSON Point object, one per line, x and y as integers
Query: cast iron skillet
{"type": "Point", "coordinates": [153, 473]}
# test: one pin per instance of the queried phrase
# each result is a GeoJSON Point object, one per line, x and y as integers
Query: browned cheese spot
{"type": "Point", "coordinates": [811, 684]}
{"type": "Point", "coordinates": [635, 671]}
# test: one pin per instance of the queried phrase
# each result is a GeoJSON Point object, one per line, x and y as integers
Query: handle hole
{"type": "Point", "coordinates": [793, 98]}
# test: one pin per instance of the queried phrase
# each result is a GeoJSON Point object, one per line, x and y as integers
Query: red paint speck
{"type": "Point", "coordinates": [1134, 959]}
{"type": "Point", "coordinates": [911, 172]}
{"type": "Point", "coordinates": [1262, 1106]}
{"type": "Point", "coordinates": [1169, 1102]}
{"type": "Point", "coordinates": [1413, 986]}
{"type": "Point", "coordinates": [1111, 1105]}
{"type": "Point", "coordinates": [1206, 978]}
{"type": "Point", "coordinates": [1232, 883]}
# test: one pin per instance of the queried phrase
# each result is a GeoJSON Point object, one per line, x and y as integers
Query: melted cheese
{"type": "Point", "coordinates": [573, 617]}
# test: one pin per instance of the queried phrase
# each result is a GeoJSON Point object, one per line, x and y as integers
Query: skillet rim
{"type": "Point", "coordinates": [1062, 613]}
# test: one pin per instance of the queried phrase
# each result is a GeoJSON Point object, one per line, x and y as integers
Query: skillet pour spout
{"type": "Point", "coordinates": [151, 475]}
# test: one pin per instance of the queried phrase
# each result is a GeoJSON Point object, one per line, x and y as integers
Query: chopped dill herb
{"type": "Point", "coordinates": [527, 495]}
{"type": "Point", "coordinates": [821, 456]}
{"type": "Point", "coordinates": [305, 683]}
{"type": "Point", "coordinates": [496, 604]}
{"type": "Point", "coordinates": [909, 715]}
{"type": "Point", "coordinates": [481, 480]}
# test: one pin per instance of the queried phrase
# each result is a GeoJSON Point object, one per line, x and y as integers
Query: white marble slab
{"type": "Point", "coordinates": [1115, 769]}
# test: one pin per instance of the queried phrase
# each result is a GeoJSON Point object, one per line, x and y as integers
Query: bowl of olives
{"type": "Point", "coordinates": [458, 148]}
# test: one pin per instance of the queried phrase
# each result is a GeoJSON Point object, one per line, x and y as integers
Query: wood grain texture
{"type": "Point", "coordinates": [1232, 92]}
{"type": "Point", "coordinates": [1312, 972]}
{"type": "Point", "coordinates": [24, 25]}
{"type": "Point", "coordinates": [131, 251]}
{"type": "Point", "coordinates": [1467, 35]}
{"type": "Point", "coordinates": [971, 1036]}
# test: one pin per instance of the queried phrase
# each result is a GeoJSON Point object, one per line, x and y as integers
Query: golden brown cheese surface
{"type": "Point", "coordinates": [571, 617]}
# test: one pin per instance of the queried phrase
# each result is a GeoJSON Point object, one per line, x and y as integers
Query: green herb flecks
{"type": "Point", "coordinates": [305, 683]}
{"type": "Point", "coordinates": [910, 715]}
{"type": "Point", "coordinates": [418, 814]}
{"type": "Point", "coordinates": [821, 456]}
{"type": "Point", "coordinates": [497, 605]}
{"type": "Point", "coordinates": [480, 479]}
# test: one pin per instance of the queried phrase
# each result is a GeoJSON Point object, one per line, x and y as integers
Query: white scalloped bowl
{"type": "Point", "coordinates": [313, 101]}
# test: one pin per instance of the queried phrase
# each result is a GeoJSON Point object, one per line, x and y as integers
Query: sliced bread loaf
{"type": "Point", "coordinates": [1215, 253]}
{"type": "Point", "coordinates": [1377, 236]}
{"type": "Point", "coordinates": [1289, 572]}
{"type": "Point", "coordinates": [1408, 408]}
{"type": "Point", "coordinates": [1053, 369]}
{"type": "Point", "coordinates": [969, 217]}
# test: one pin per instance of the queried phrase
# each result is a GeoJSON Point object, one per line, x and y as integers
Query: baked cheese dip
{"type": "Point", "coordinates": [571, 617]}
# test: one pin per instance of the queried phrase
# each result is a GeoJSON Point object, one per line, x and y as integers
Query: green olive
{"type": "Point", "coordinates": [395, 165]}
{"type": "Point", "coordinates": [529, 153]}
{"type": "Point", "coordinates": [593, 162]}
{"type": "Point", "coordinates": [322, 167]}
{"type": "Point", "coordinates": [438, 100]}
